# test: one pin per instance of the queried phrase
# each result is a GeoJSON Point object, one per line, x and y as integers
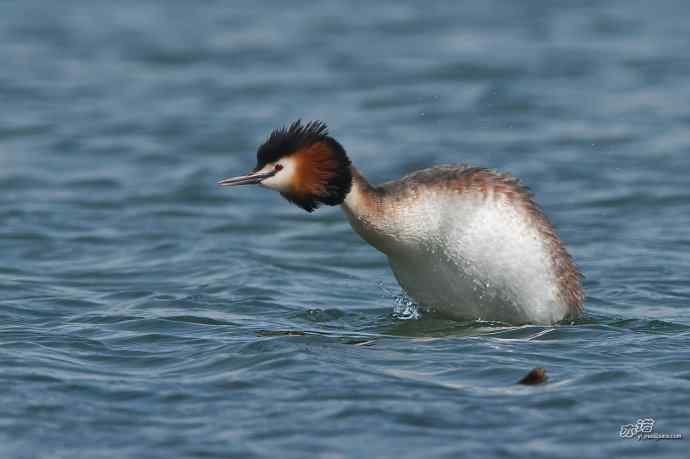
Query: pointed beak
{"type": "Point", "coordinates": [250, 179]}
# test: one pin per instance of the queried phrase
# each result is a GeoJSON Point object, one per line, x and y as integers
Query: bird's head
{"type": "Point", "coordinates": [302, 162]}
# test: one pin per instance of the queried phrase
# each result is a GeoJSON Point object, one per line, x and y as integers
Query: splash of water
{"type": "Point", "coordinates": [403, 306]}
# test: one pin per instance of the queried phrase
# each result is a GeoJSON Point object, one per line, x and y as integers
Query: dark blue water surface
{"type": "Point", "coordinates": [141, 306]}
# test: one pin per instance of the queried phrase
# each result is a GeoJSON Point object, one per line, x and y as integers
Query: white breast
{"type": "Point", "coordinates": [470, 258]}
{"type": "Point", "coordinates": [466, 254]}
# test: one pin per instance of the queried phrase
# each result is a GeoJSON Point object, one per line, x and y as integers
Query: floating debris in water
{"type": "Point", "coordinates": [536, 376]}
{"type": "Point", "coordinates": [361, 342]}
{"type": "Point", "coordinates": [280, 333]}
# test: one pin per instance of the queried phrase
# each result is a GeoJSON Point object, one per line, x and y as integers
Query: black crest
{"type": "Point", "coordinates": [287, 140]}
{"type": "Point", "coordinates": [324, 168]}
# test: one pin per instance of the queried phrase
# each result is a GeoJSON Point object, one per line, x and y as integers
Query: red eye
{"type": "Point", "coordinates": [279, 167]}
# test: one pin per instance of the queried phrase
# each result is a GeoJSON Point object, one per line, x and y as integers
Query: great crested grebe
{"type": "Point", "coordinates": [466, 242]}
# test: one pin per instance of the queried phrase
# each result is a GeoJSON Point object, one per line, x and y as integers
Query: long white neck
{"type": "Point", "coordinates": [357, 201]}
{"type": "Point", "coordinates": [363, 207]}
